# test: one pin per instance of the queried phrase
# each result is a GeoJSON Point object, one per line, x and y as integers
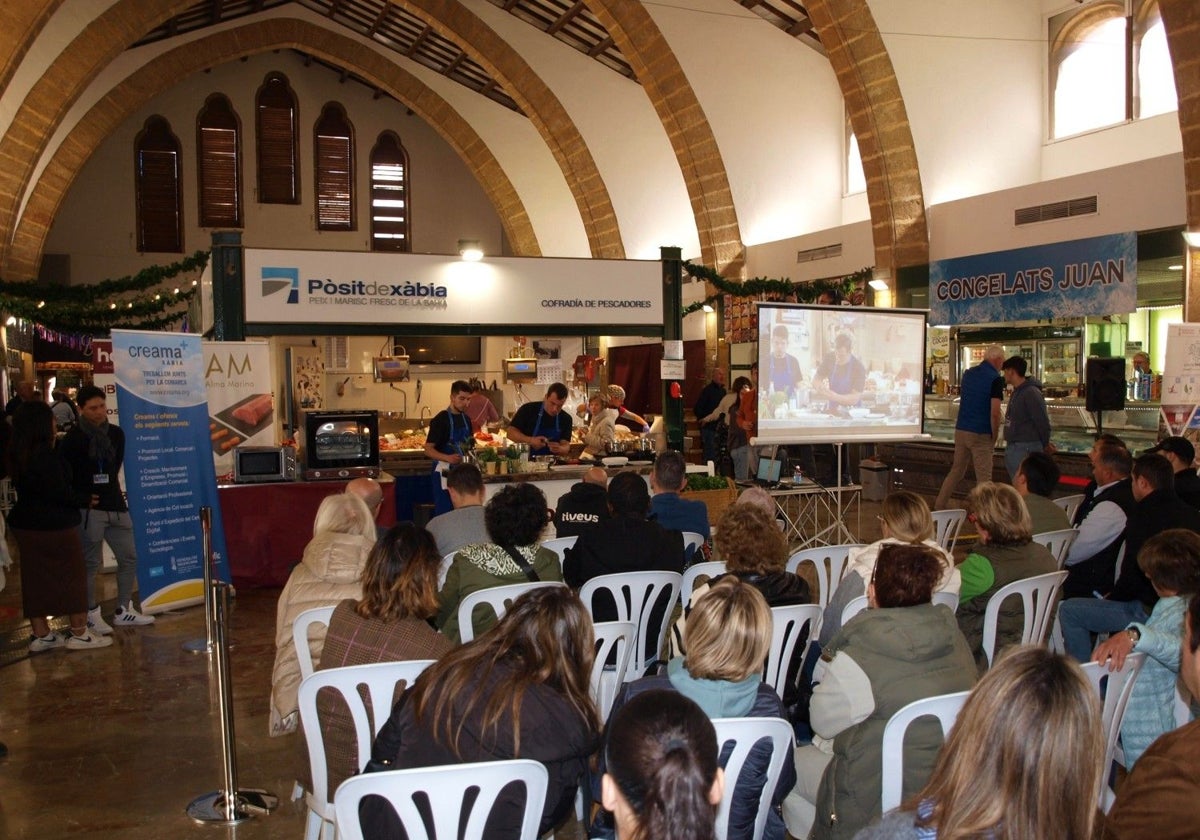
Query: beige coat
{"type": "Point", "coordinates": [329, 572]}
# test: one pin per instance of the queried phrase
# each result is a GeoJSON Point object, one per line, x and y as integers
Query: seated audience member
{"type": "Point", "coordinates": [1160, 799]}
{"type": "Point", "coordinates": [1182, 457]}
{"type": "Point", "coordinates": [584, 506]}
{"type": "Point", "coordinates": [729, 634]}
{"type": "Point", "coordinates": [755, 552]}
{"type": "Point", "coordinates": [514, 518]}
{"type": "Point", "coordinates": [1035, 480]}
{"type": "Point", "coordinates": [902, 649]}
{"type": "Point", "coordinates": [760, 498]}
{"type": "Point", "coordinates": [1101, 520]}
{"type": "Point", "coordinates": [663, 779]}
{"type": "Point", "coordinates": [518, 691]}
{"type": "Point", "coordinates": [329, 572]}
{"type": "Point", "coordinates": [370, 491]}
{"type": "Point", "coordinates": [1131, 599]}
{"type": "Point", "coordinates": [671, 510]}
{"type": "Point", "coordinates": [1004, 553]}
{"type": "Point", "coordinates": [464, 524]}
{"type": "Point", "coordinates": [390, 623]}
{"type": "Point", "coordinates": [628, 542]}
{"type": "Point", "coordinates": [904, 520]}
{"type": "Point", "coordinates": [1089, 490]}
{"type": "Point", "coordinates": [1171, 561]}
{"type": "Point", "coordinates": [601, 429]}
{"type": "Point", "coordinates": [993, 780]}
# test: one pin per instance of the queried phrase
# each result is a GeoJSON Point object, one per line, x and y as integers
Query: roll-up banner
{"type": "Point", "coordinates": [1180, 398]}
{"type": "Point", "coordinates": [241, 401]}
{"type": "Point", "coordinates": [169, 471]}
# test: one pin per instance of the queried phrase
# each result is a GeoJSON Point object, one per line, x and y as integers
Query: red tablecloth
{"type": "Point", "coordinates": [268, 525]}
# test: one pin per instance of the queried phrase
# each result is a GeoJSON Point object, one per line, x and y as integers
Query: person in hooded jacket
{"type": "Point", "coordinates": [1027, 423]}
{"type": "Point", "coordinates": [329, 572]}
{"type": "Point", "coordinates": [902, 649]}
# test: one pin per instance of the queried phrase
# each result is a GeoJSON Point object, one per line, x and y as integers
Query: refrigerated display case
{"type": "Point", "coordinates": [1058, 363]}
{"type": "Point", "coordinates": [1054, 354]}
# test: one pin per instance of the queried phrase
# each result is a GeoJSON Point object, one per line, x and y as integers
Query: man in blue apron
{"type": "Point", "coordinates": [449, 437]}
{"type": "Point", "coordinates": [544, 426]}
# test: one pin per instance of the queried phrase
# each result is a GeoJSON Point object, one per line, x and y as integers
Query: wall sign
{"type": "Point", "coordinates": [1096, 276]}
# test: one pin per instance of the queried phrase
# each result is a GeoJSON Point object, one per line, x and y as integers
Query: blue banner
{"type": "Point", "coordinates": [1096, 276]}
{"type": "Point", "coordinates": [169, 472]}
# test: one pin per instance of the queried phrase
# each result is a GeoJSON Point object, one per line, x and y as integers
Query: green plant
{"type": "Point", "coordinates": [700, 481]}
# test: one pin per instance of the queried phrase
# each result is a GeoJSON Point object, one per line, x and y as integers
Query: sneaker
{"type": "Point", "coordinates": [127, 616]}
{"type": "Point", "coordinates": [97, 624]}
{"type": "Point", "coordinates": [88, 641]}
{"type": "Point", "coordinates": [50, 641]}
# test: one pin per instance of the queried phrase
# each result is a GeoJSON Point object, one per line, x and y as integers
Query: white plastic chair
{"type": "Point", "coordinates": [1038, 595]}
{"type": "Point", "coordinates": [707, 468]}
{"type": "Point", "coordinates": [636, 594]}
{"type": "Point", "coordinates": [316, 615]}
{"type": "Point", "coordinates": [1058, 543]}
{"type": "Point", "coordinates": [947, 598]}
{"type": "Point", "coordinates": [1070, 504]}
{"type": "Point", "coordinates": [444, 569]}
{"type": "Point", "coordinates": [380, 678]}
{"type": "Point", "coordinates": [946, 525]}
{"type": "Point", "coordinates": [692, 542]}
{"type": "Point", "coordinates": [611, 635]}
{"type": "Point", "coordinates": [694, 572]}
{"type": "Point", "coordinates": [827, 578]}
{"type": "Point", "coordinates": [787, 623]}
{"type": "Point", "coordinates": [944, 707]}
{"type": "Point", "coordinates": [559, 546]}
{"type": "Point", "coordinates": [496, 597]}
{"type": "Point", "coordinates": [745, 733]}
{"type": "Point", "coordinates": [446, 789]}
{"type": "Point", "coordinates": [1113, 689]}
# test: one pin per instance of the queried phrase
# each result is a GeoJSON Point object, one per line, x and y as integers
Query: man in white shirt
{"type": "Point", "coordinates": [1091, 562]}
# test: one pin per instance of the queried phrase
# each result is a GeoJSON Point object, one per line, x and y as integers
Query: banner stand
{"type": "Point", "coordinates": [205, 645]}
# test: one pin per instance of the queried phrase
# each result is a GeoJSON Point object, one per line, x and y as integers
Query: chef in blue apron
{"type": "Point", "coordinates": [544, 425]}
{"type": "Point", "coordinates": [841, 377]}
{"type": "Point", "coordinates": [449, 438]}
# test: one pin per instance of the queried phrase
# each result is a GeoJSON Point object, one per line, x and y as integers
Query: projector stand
{"type": "Point", "coordinates": [838, 529]}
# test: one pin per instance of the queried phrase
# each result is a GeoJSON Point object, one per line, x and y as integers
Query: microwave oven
{"type": "Point", "coordinates": [341, 444]}
{"type": "Point", "coordinates": [261, 464]}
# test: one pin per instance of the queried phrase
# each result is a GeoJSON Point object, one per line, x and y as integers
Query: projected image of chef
{"type": "Point", "coordinates": [783, 372]}
{"type": "Point", "coordinates": [840, 377]}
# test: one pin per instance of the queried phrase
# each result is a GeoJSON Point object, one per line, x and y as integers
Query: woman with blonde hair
{"type": "Point", "coordinates": [520, 690]}
{"type": "Point", "coordinates": [728, 635]}
{"type": "Point", "coordinates": [329, 572]}
{"type": "Point", "coordinates": [1023, 760]}
{"type": "Point", "coordinates": [905, 519]}
{"type": "Point", "coordinates": [1005, 553]}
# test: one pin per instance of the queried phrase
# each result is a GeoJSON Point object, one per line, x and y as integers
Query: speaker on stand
{"type": "Point", "coordinates": [1105, 387]}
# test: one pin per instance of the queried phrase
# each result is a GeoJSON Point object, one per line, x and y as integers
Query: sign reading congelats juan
{"type": "Point", "coordinates": [1096, 276]}
{"type": "Point", "coordinates": [321, 287]}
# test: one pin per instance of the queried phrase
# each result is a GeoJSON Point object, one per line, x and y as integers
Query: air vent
{"type": "Point", "coordinates": [1056, 210]}
{"type": "Point", "coordinates": [825, 252]}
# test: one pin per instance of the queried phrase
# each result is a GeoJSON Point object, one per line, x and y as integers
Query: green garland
{"type": "Point", "coordinates": [761, 286]}
{"type": "Point", "coordinates": [125, 303]}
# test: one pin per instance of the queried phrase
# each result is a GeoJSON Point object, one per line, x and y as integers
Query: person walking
{"type": "Point", "coordinates": [978, 424]}
{"type": "Point", "coordinates": [95, 450]}
{"type": "Point", "coordinates": [1027, 424]}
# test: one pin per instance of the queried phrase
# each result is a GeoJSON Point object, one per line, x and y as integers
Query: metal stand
{"type": "Point", "coordinates": [229, 805]}
{"type": "Point", "coordinates": [839, 529]}
{"type": "Point", "coordinates": [205, 645]}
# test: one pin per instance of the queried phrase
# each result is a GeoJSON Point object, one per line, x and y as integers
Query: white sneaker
{"type": "Point", "coordinates": [88, 641]}
{"type": "Point", "coordinates": [97, 624]}
{"type": "Point", "coordinates": [50, 641]}
{"type": "Point", "coordinates": [127, 616]}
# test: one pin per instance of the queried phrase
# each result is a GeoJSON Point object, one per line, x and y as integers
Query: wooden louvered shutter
{"type": "Point", "coordinates": [389, 195]}
{"type": "Point", "coordinates": [220, 166]}
{"type": "Point", "coordinates": [157, 187]}
{"type": "Point", "coordinates": [278, 177]}
{"type": "Point", "coordinates": [333, 145]}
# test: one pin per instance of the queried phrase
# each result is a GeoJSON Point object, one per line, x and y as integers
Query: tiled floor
{"type": "Point", "coordinates": [115, 743]}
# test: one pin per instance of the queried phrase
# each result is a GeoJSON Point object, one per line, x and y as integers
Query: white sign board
{"type": "Point", "coordinates": [1181, 379]}
{"type": "Point", "coordinates": [322, 287]}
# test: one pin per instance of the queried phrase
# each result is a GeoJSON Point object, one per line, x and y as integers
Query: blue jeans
{"type": "Point", "coordinates": [115, 528]}
{"type": "Point", "coordinates": [1081, 617]}
{"type": "Point", "coordinates": [708, 440]}
{"type": "Point", "coordinates": [741, 462]}
{"type": "Point", "coordinates": [1014, 454]}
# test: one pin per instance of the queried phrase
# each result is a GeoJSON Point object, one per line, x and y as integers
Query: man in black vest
{"type": "Point", "coordinates": [1132, 597]}
{"type": "Point", "coordinates": [1101, 520]}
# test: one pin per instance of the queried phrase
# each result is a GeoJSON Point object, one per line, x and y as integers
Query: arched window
{"type": "Point", "coordinates": [218, 141]}
{"type": "Point", "coordinates": [157, 188]}
{"type": "Point", "coordinates": [390, 212]}
{"type": "Point", "coordinates": [1108, 64]}
{"type": "Point", "coordinates": [333, 152]}
{"type": "Point", "coordinates": [276, 121]}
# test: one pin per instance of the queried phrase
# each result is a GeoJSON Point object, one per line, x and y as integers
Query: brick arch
{"type": "Point", "coordinates": [1182, 24]}
{"type": "Point", "coordinates": [686, 126]}
{"type": "Point", "coordinates": [877, 113]}
{"type": "Point", "coordinates": [26, 18]}
{"type": "Point", "coordinates": [177, 64]}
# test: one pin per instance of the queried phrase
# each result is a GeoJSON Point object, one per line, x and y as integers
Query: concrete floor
{"type": "Point", "coordinates": [115, 743]}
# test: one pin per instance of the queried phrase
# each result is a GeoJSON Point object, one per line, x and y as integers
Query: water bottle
{"type": "Point", "coordinates": [797, 475]}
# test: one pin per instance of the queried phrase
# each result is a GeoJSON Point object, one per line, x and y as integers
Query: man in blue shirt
{"type": "Point", "coordinates": [978, 423]}
{"type": "Point", "coordinates": [667, 507]}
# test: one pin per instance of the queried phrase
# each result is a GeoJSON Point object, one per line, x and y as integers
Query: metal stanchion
{"type": "Point", "coordinates": [205, 645]}
{"type": "Point", "coordinates": [229, 805]}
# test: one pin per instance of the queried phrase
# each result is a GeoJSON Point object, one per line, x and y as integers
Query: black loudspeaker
{"type": "Point", "coordinates": [1105, 384]}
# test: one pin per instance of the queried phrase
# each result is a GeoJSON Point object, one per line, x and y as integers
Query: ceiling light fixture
{"type": "Point", "coordinates": [708, 308]}
{"type": "Point", "coordinates": [1192, 238]}
{"type": "Point", "coordinates": [878, 285]}
{"type": "Point", "coordinates": [470, 250]}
